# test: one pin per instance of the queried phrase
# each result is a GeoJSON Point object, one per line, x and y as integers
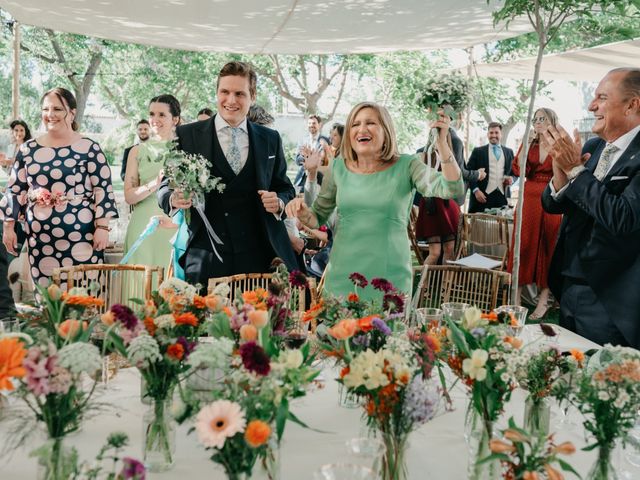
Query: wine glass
{"type": "Point", "coordinates": [429, 316]}
{"type": "Point", "coordinates": [454, 310]}
{"type": "Point", "coordinates": [367, 451]}
{"type": "Point", "coordinates": [518, 317]}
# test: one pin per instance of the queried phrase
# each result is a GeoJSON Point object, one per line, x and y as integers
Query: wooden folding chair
{"type": "Point", "coordinates": [485, 289]}
{"type": "Point", "coordinates": [118, 283]}
{"type": "Point", "coordinates": [420, 251]}
{"type": "Point", "coordinates": [487, 235]}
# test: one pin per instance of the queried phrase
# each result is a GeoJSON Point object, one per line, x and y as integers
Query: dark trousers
{"type": "Point", "coordinates": [495, 199]}
{"type": "Point", "coordinates": [7, 307]}
{"type": "Point", "coordinates": [200, 264]}
{"type": "Point", "coordinates": [583, 313]}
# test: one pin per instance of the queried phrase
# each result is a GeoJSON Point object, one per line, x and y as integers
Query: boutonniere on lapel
{"type": "Point", "coordinates": [191, 174]}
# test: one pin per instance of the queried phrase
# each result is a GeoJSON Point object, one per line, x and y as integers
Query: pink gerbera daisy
{"type": "Point", "coordinates": [218, 421]}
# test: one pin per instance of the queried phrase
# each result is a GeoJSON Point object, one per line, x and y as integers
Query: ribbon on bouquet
{"type": "Point", "coordinates": [151, 227]}
{"type": "Point", "coordinates": [429, 149]}
{"type": "Point", "coordinates": [213, 237]}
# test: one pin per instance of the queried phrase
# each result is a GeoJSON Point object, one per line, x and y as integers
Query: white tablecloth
{"type": "Point", "coordinates": [437, 450]}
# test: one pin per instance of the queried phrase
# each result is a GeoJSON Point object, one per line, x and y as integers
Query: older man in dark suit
{"type": "Point", "coordinates": [595, 271]}
{"type": "Point", "coordinates": [493, 162]}
{"type": "Point", "coordinates": [250, 160]}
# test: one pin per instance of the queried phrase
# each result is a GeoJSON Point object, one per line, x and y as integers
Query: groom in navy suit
{"type": "Point", "coordinates": [595, 271]}
{"type": "Point", "coordinates": [248, 215]}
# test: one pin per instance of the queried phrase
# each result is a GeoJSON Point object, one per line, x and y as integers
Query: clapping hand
{"type": "Point", "coordinates": [566, 152]}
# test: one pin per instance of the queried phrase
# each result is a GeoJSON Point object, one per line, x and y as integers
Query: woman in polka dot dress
{"type": "Point", "coordinates": [61, 183]}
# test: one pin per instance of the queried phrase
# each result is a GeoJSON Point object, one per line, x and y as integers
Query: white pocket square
{"type": "Point", "coordinates": [273, 156]}
{"type": "Point", "coordinates": [621, 177]}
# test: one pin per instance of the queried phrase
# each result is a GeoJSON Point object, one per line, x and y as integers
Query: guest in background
{"type": "Point", "coordinates": [143, 130]}
{"type": "Point", "coordinates": [493, 164]}
{"type": "Point", "coordinates": [314, 141]}
{"type": "Point", "coordinates": [204, 114]}
{"type": "Point", "coordinates": [439, 218]}
{"type": "Point", "coordinates": [372, 187]}
{"type": "Point", "coordinates": [7, 305]}
{"type": "Point", "coordinates": [61, 183]}
{"type": "Point", "coordinates": [142, 180]}
{"type": "Point", "coordinates": [539, 228]}
{"type": "Point", "coordinates": [20, 133]}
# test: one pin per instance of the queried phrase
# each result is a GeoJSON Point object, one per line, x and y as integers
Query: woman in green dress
{"type": "Point", "coordinates": [372, 187]}
{"type": "Point", "coordinates": [142, 179]}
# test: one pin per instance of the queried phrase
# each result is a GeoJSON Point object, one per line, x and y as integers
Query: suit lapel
{"type": "Point", "coordinates": [258, 146]}
{"type": "Point", "coordinates": [630, 157]}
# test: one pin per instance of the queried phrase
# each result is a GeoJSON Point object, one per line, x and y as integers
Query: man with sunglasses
{"type": "Point", "coordinates": [595, 271]}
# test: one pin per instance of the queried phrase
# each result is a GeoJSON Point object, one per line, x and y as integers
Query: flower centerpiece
{"type": "Point", "coordinates": [241, 418]}
{"type": "Point", "coordinates": [543, 369]}
{"type": "Point", "coordinates": [486, 359]}
{"type": "Point", "coordinates": [608, 395]}
{"type": "Point", "coordinates": [527, 456]}
{"type": "Point", "coordinates": [49, 380]}
{"type": "Point", "coordinates": [158, 339]}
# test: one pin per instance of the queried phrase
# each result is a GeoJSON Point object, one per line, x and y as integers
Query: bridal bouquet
{"type": "Point", "coordinates": [49, 375]}
{"type": "Point", "coordinates": [191, 174]}
{"type": "Point", "coordinates": [608, 395]}
{"type": "Point", "coordinates": [482, 354]}
{"type": "Point", "coordinates": [158, 339]}
{"type": "Point", "coordinates": [453, 92]}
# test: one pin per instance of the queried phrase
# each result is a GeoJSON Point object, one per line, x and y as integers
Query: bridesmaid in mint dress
{"type": "Point", "coordinates": [372, 187]}
{"type": "Point", "coordinates": [142, 179]}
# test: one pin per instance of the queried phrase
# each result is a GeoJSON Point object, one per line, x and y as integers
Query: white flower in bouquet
{"type": "Point", "coordinates": [474, 366]}
{"type": "Point", "coordinates": [143, 351]}
{"type": "Point", "coordinates": [175, 286]}
{"type": "Point", "coordinates": [222, 290]}
{"type": "Point", "coordinates": [190, 173]}
{"type": "Point", "coordinates": [214, 354]}
{"type": "Point", "coordinates": [367, 370]}
{"type": "Point", "coordinates": [473, 318]}
{"type": "Point", "coordinates": [80, 357]}
{"type": "Point", "coordinates": [288, 359]}
{"type": "Point", "coordinates": [166, 321]}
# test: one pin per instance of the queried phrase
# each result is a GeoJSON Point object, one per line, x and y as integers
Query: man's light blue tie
{"type": "Point", "coordinates": [605, 160]}
{"type": "Point", "coordinates": [233, 154]}
{"type": "Point", "coordinates": [497, 151]}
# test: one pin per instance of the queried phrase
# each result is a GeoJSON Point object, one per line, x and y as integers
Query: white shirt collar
{"type": "Point", "coordinates": [221, 123]}
{"type": "Point", "coordinates": [625, 140]}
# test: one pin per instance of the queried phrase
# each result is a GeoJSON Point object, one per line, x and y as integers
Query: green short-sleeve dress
{"type": "Point", "coordinates": [373, 213]}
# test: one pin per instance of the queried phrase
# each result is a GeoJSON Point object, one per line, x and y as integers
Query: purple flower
{"type": "Point", "coordinates": [132, 469]}
{"type": "Point", "coordinates": [125, 316]}
{"type": "Point", "coordinates": [39, 368]}
{"type": "Point", "coordinates": [254, 358]}
{"type": "Point", "coordinates": [393, 302]}
{"type": "Point", "coordinates": [358, 279]}
{"type": "Point", "coordinates": [186, 345]}
{"type": "Point", "coordinates": [383, 285]}
{"type": "Point", "coordinates": [380, 325]}
{"type": "Point", "coordinates": [478, 332]}
{"type": "Point", "coordinates": [298, 279]}
{"type": "Point", "coordinates": [420, 401]}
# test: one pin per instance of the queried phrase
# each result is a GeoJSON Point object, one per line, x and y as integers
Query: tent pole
{"type": "Point", "coordinates": [15, 88]}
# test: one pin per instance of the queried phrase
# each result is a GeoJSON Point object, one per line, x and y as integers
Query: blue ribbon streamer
{"type": "Point", "coordinates": [151, 227]}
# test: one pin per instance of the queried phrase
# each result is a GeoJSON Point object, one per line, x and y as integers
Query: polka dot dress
{"type": "Point", "coordinates": [60, 235]}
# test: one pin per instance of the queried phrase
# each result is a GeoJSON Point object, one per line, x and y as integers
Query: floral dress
{"type": "Point", "coordinates": [60, 191]}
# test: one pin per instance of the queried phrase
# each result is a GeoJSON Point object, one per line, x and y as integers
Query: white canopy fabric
{"type": "Point", "coordinates": [588, 65]}
{"type": "Point", "coordinates": [274, 26]}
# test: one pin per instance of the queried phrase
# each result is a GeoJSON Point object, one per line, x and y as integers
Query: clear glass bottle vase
{"type": "Point", "coordinates": [159, 433]}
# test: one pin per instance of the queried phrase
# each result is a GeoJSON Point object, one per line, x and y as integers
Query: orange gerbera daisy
{"type": "Point", "coordinates": [257, 433]}
{"type": "Point", "coordinates": [186, 318]}
{"type": "Point", "coordinates": [491, 316]}
{"type": "Point", "coordinates": [82, 300]}
{"type": "Point", "coordinates": [257, 298]}
{"type": "Point", "coordinates": [353, 297]}
{"type": "Point", "coordinates": [150, 326]}
{"type": "Point", "coordinates": [577, 354]}
{"type": "Point", "coordinates": [12, 352]}
{"type": "Point", "coordinates": [199, 302]}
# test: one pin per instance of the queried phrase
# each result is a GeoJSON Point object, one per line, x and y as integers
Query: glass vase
{"type": "Point", "coordinates": [346, 399]}
{"type": "Point", "coordinates": [604, 467]}
{"type": "Point", "coordinates": [55, 460]}
{"type": "Point", "coordinates": [537, 416]}
{"type": "Point", "coordinates": [394, 459]}
{"type": "Point", "coordinates": [478, 434]}
{"type": "Point", "coordinates": [159, 433]}
{"type": "Point", "coordinates": [268, 467]}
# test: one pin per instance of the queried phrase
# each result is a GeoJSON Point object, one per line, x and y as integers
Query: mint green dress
{"type": "Point", "coordinates": [156, 249]}
{"type": "Point", "coordinates": [373, 213]}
